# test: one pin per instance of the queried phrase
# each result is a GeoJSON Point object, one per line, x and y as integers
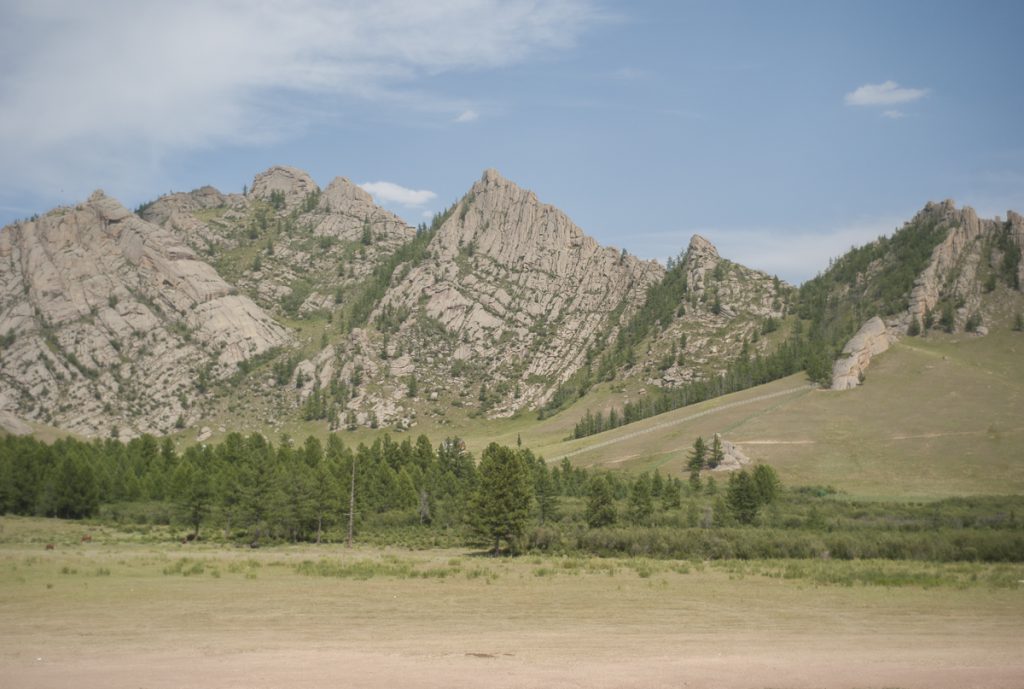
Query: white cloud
{"type": "Point", "coordinates": [894, 114]}
{"type": "Point", "coordinates": [389, 192]}
{"type": "Point", "coordinates": [886, 93]}
{"type": "Point", "coordinates": [105, 91]}
{"type": "Point", "coordinates": [467, 116]}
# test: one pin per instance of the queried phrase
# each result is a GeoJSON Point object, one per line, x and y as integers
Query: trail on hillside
{"type": "Point", "coordinates": [691, 417]}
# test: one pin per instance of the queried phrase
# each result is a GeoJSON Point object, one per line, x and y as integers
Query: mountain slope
{"type": "Point", "coordinates": [112, 323]}
{"type": "Point", "coordinates": [502, 306]}
{"type": "Point", "coordinates": [292, 247]}
{"type": "Point", "coordinates": [936, 417]}
{"type": "Point", "coordinates": [706, 313]}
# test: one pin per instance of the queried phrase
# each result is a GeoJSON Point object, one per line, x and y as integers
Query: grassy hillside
{"type": "Point", "coordinates": [937, 416]}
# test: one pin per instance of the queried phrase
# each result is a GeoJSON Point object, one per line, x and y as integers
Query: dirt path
{"type": "Point", "coordinates": [269, 626]}
{"type": "Point", "coordinates": [774, 442]}
{"type": "Point", "coordinates": [675, 422]}
{"type": "Point", "coordinates": [795, 663]}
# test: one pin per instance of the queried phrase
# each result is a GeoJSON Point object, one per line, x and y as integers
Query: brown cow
{"type": "Point", "coordinates": [86, 538]}
{"type": "Point", "coordinates": [50, 546]}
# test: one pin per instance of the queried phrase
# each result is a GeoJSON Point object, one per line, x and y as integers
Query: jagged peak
{"type": "Point", "coordinates": [295, 183]}
{"type": "Point", "coordinates": [492, 176]}
{"type": "Point", "coordinates": [107, 207]}
{"type": "Point", "coordinates": [700, 245]}
{"type": "Point", "coordinates": [492, 180]}
{"type": "Point", "coordinates": [342, 189]}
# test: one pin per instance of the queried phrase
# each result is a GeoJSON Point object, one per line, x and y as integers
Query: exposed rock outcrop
{"type": "Point", "coordinates": [733, 457]}
{"type": "Point", "coordinates": [723, 309]}
{"type": "Point", "coordinates": [870, 340]}
{"type": "Point", "coordinates": [295, 184]}
{"type": "Point", "coordinates": [114, 319]}
{"type": "Point", "coordinates": [972, 248]}
{"type": "Point", "coordinates": [700, 259]}
{"type": "Point", "coordinates": [518, 294]}
{"type": "Point", "coordinates": [323, 249]}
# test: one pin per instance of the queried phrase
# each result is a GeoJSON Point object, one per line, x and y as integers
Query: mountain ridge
{"type": "Point", "coordinates": [502, 304]}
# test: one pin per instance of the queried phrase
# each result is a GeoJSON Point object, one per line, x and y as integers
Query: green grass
{"type": "Point", "coordinates": [937, 417]}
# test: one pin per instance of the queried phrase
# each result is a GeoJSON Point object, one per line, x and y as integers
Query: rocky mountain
{"type": "Point", "coordinates": [945, 269]}
{"type": "Point", "coordinates": [112, 325]}
{"type": "Point", "coordinates": [501, 307]}
{"type": "Point", "coordinates": [289, 302]}
{"type": "Point", "coordinates": [289, 245]}
{"type": "Point", "coordinates": [713, 311]}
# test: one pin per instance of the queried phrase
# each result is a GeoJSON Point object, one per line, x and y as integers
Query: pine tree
{"type": "Point", "coordinates": [73, 488]}
{"type": "Point", "coordinates": [600, 502]}
{"type": "Point", "coordinates": [711, 486]}
{"type": "Point", "coordinates": [717, 455]}
{"type": "Point", "coordinates": [742, 498]}
{"type": "Point", "coordinates": [766, 484]}
{"type": "Point", "coordinates": [672, 494]}
{"type": "Point", "coordinates": [192, 491]}
{"type": "Point", "coordinates": [501, 505]}
{"type": "Point", "coordinates": [325, 491]}
{"type": "Point", "coordinates": [544, 490]}
{"type": "Point", "coordinates": [698, 457]}
{"type": "Point", "coordinates": [257, 485]}
{"type": "Point", "coordinates": [640, 506]}
{"type": "Point", "coordinates": [657, 484]}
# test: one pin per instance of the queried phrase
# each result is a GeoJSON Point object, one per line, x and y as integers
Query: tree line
{"type": "Point", "coordinates": [799, 352]}
{"type": "Point", "coordinates": [253, 490]}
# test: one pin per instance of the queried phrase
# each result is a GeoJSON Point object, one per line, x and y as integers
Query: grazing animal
{"type": "Point", "coordinates": [191, 537]}
{"type": "Point", "coordinates": [87, 538]}
{"type": "Point", "coordinates": [50, 546]}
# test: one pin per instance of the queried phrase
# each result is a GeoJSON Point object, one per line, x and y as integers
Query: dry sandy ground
{"type": "Point", "coordinates": [138, 628]}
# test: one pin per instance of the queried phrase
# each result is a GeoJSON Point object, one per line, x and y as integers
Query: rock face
{"type": "Point", "coordinates": [513, 294]}
{"type": "Point", "coordinates": [293, 183]}
{"type": "Point", "coordinates": [178, 213]}
{"type": "Point", "coordinates": [701, 258]}
{"type": "Point", "coordinates": [113, 320]}
{"type": "Point", "coordinates": [723, 309]}
{"type": "Point", "coordinates": [316, 244]}
{"type": "Point", "coordinates": [871, 339]}
{"type": "Point", "coordinates": [733, 457]}
{"type": "Point", "coordinates": [973, 248]}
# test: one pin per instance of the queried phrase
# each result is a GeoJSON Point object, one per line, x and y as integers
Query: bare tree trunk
{"type": "Point", "coordinates": [319, 526]}
{"type": "Point", "coordinates": [352, 503]}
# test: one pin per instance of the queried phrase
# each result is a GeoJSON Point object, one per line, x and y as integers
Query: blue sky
{"type": "Point", "coordinates": [784, 132]}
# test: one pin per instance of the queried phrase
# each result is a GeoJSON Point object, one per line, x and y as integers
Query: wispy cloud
{"type": "Point", "coordinates": [389, 192]}
{"type": "Point", "coordinates": [467, 116]}
{"type": "Point", "coordinates": [894, 114]}
{"type": "Point", "coordinates": [886, 93]}
{"type": "Point", "coordinates": [105, 91]}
